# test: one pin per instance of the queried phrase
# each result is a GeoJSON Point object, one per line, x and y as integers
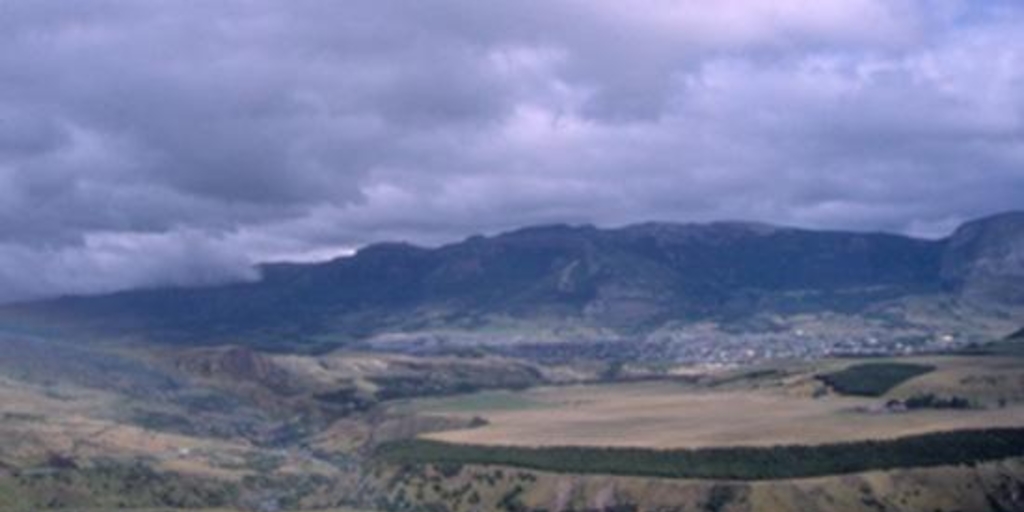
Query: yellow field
{"type": "Point", "coordinates": [667, 415]}
{"type": "Point", "coordinates": [982, 379]}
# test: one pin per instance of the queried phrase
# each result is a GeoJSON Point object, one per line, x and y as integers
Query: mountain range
{"type": "Point", "coordinates": [560, 282]}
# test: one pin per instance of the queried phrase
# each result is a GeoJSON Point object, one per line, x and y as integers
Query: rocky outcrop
{"type": "Point", "coordinates": [238, 365]}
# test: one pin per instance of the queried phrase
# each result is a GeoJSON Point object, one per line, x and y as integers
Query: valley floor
{"type": "Point", "coordinates": [129, 428]}
{"type": "Point", "coordinates": [666, 415]}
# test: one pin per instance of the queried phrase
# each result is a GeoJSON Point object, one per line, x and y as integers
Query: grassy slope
{"type": "Point", "coordinates": [986, 487]}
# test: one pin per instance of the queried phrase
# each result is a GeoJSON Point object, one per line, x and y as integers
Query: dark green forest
{"type": "Point", "coordinates": [753, 463]}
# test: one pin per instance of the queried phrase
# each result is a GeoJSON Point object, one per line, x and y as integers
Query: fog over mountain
{"type": "Point", "coordinates": [162, 143]}
{"type": "Point", "coordinates": [649, 285]}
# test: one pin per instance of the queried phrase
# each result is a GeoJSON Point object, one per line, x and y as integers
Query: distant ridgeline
{"type": "Point", "coordinates": [629, 281]}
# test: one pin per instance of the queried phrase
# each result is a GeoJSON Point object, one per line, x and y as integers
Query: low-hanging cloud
{"type": "Point", "coordinates": [171, 143]}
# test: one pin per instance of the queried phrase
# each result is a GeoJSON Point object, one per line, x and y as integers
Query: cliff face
{"type": "Point", "coordinates": [985, 258]}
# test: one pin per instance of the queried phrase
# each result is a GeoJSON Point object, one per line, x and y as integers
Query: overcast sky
{"type": "Point", "coordinates": [173, 142]}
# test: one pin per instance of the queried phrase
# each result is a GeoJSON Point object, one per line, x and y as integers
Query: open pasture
{"type": "Point", "coordinates": [671, 415]}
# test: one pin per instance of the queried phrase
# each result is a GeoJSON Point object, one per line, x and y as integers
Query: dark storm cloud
{"type": "Point", "coordinates": [146, 143]}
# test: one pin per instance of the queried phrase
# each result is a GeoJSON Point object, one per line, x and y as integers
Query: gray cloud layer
{"type": "Point", "coordinates": [167, 142]}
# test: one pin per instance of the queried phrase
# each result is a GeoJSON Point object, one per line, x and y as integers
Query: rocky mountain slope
{"type": "Point", "coordinates": [986, 258]}
{"type": "Point", "coordinates": [582, 282]}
